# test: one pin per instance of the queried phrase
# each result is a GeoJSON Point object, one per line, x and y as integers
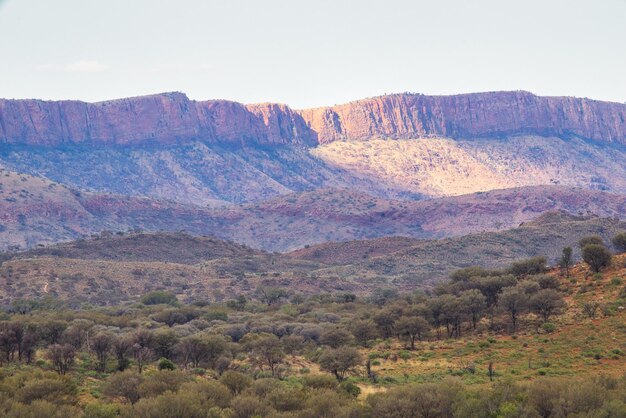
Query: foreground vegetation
{"type": "Point", "coordinates": [521, 342]}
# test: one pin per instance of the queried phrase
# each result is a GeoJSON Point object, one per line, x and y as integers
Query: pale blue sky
{"type": "Point", "coordinates": [310, 53]}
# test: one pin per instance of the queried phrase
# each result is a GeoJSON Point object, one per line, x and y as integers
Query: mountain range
{"type": "Point", "coordinates": [278, 179]}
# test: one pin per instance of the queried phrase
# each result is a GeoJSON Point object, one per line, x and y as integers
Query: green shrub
{"type": "Point", "coordinates": [548, 327]}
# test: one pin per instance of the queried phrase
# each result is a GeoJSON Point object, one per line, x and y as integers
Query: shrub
{"type": "Point", "coordinates": [597, 256]}
{"type": "Point", "coordinates": [548, 327]}
{"type": "Point", "coordinates": [159, 297]}
{"type": "Point", "coordinates": [619, 242]}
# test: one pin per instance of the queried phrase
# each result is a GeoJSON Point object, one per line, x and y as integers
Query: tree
{"type": "Point", "coordinates": [513, 301]}
{"type": "Point", "coordinates": [235, 382]}
{"type": "Point", "coordinates": [264, 349]}
{"type": "Point", "coordinates": [566, 260]}
{"type": "Point", "coordinates": [363, 330]}
{"type": "Point", "coordinates": [191, 350]}
{"type": "Point", "coordinates": [125, 385]}
{"type": "Point", "coordinates": [62, 357]}
{"type": "Point", "coordinates": [164, 342]}
{"type": "Point", "coordinates": [474, 303]}
{"type": "Point", "coordinates": [271, 295]}
{"type": "Point", "coordinates": [121, 347]}
{"type": "Point", "coordinates": [101, 345]}
{"type": "Point", "coordinates": [547, 302]}
{"type": "Point", "coordinates": [619, 242]}
{"type": "Point", "coordinates": [335, 337]}
{"type": "Point", "coordinates": [597, 256]}
{"type": "Point", "coordinates": [534, 265]}
{"type": "Point", "coordinates": [414, 327]}
{"type": "Point", "coordinates": [590, 239]}
{"type": "Point", "coordinates": [339, 361]}
{"type": "Point", "coordinates": [159, 297]}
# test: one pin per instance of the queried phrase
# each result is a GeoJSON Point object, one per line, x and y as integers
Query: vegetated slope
{"type": "Point", "coordinates": [162, 247]}
{"type": "Point", "coordinates": [445, 167]}
{"type": "Point", "coordinates": [411, 263]}
{"type": "Point", "coordinates": [34, 210]}
{"type": "Point", "coordinates": [94, 271]}
{"type": "Point", "coordinates": [578, 345]}
{"type": "Point", "coordinates": [195, 172]}
{"type": "Point", "coordinates": [38, 211]}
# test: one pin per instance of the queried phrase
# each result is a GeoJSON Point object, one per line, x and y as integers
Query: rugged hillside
{"type": "Point", "coordinates": [410, 263]}
{"type": "Point", "coordinates": [109, 269]}
{"type": "Point", "coordinates": [37, 211]}
{"type": "Point", "coordinates": [479, 115]}
{"type": "Point", "coordinates": [444, 167]}
{"type": "Point", "coordinates": [205, 153]}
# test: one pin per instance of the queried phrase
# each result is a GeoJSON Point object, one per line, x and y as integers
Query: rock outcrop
{"type": "Point", "coordinates": [469, 116]}
{"type": "Point", "coordinates": [163, 118]}
{"type": "Point", "coordinates": [172, 117]}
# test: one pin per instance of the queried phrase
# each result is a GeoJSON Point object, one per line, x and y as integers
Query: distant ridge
{"type": "Point", "coordinates": [172, 117]}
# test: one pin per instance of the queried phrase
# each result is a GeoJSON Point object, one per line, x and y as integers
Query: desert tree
{"type": "Point", "coordinates": [530, 266]}
{"type": "Point", "coordinates": [547, 302]}
{"type": "Point", "coordinates": [474, 303]}
{"type": "Point", "coordinates": [513, 301]}
{"type": "Point", "coordinates": [566, 260]}
{"type": "Point", "coordinates": [413, 327]}
{"type": "Point", "coordinates": [61, 356]}
{"type": "Point", "coordinates": [363, 330]}
{"type": "Point", "coordinates": [596, 256]}
{"type": "Point", "coordinates": [335, 337]}
{"type": "Point", "coordinates": [340, 361]}
{"type": "Point", "coordinates": [265, 350]}
{"type": "Point", "coordinates": [101, 345]}
{"type": "Point", "coordinates": [619, 242]}
{"type": "Point", "coordinates": [121, 348]}
{"type": "Point", "coordinates": [590, 239]}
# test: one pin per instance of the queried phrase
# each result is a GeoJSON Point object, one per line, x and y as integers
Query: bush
{"type": "Point", "coordinates": [548, 327]}
{"type": "Point", "coordinates": [165, 364]}
{"type": "Point", "coordinates": [597, 256]}
{"type": "Point", "coordinates": [619, 242]}
{"type": "Point", "coordinates": [590, 240]}
{"type": "Point", "coordinates": [530, 266]}
{"type": "Point", "coordinates": [159, 297]}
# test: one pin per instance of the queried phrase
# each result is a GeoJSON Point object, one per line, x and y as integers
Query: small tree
{"type": "Point", "coordinates": [474, 303]}
{"type": "Point", "coordinates": [335, 337]}
{"type": "Point", "coordinates": [534, 265]}
{"type": "Point", "coordinates": [590, 239]}
{"type": "Point", "coordinates": [159, 297]}
{"type": "Point", "coordinates": [597, 256]}
{"type": "Point", "coordinates": [125, 384]}
{"type": "Point", "coordinates": [101, 345]}
{"type": "Point", "coordinates": [566, 260]}
{"type": "Point", "coordinates": [265, 349]}
{"type": "Point", "coordinates": [413, 327]}
{"type": "Point", "coordinates": [62, 357]}
{"type": "Point", "coordinates": [339, 361]}
{"type": "Point", "coordinates": [364, 331]}
{"type": "Point", "coordinates": [590, 309]}
{"type": "Point", "coordinates": [513, 301]}
{"type": "Point", "coordinates": [547, 302]}
{"type": "Point", "coordinates": [619, 242]}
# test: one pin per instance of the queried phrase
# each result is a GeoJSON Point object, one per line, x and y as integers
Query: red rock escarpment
{"type": "Point", "coordinates": [469, 116]}
{"type": "Point", "coordinates": [162, 118]}
{"type": "Point", "coordinates": [172, 117]}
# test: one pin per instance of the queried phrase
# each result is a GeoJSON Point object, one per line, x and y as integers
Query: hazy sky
{"type": "Point", "coordinates": [310, 53]}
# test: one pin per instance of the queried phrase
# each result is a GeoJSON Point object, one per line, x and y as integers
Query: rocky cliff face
{"type": "Point", "coordinates": [163, 118]}
{"type": "Point", "coordinates": [469, 116]}
{"type": "Point", "coordinates": [172, 117]}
